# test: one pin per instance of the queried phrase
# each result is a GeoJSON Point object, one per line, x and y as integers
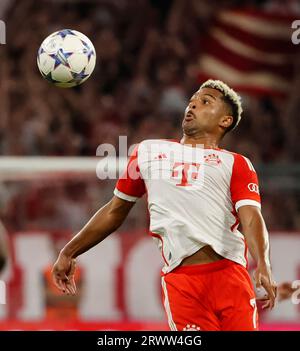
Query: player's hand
{"type": "Point", "coordinates": [263, 278]}
{"type": "Point", "coordinates": [63, 274]}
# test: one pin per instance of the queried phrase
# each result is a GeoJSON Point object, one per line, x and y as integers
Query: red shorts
{"type": "Point", "coordinates": [213, 296]}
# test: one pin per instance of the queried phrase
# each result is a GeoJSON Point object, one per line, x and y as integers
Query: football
{"type": "Point", "coordinates": [66, 58]}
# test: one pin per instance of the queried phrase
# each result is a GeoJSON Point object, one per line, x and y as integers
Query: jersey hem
{"type": "Point", "coordinates": [238, 260]}
{"type": "Point", "coordinates": [246, 202]}
{"type": "Point", "coordinates": [124, 196]}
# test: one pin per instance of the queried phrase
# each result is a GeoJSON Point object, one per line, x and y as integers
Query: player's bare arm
{"type": "Point", "coordinates": [257, 239]}
{"type": "Point", "coordinates": [107, 220]}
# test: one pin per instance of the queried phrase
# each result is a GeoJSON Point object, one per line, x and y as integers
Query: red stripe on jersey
{"type": "Point", "coordinates": [131, 182]}
{"type": "Point", "coordinates": [244, 182]}
{"type": "Point", "coordinates": [162, 245]}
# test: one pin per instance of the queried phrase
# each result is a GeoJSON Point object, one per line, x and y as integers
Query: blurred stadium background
{"type": "Point", "coordinates": [152, 55]}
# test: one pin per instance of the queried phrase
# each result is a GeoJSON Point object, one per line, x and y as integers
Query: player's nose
{"type": "Point", "coordinates": [191, 106]}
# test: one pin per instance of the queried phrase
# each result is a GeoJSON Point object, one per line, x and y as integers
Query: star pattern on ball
{"type": "Point", "coordinates": [41, 51]}
{"type": "Point", "coordinates": [78, 77]}
{"type": "Point", "coordinates": [49, 78]}
{"type": "Point", "coordinates": [88, 51]}
{"type": "Point", "coordinates": [63, 33]}
{"type": "Point", "coordinates": [61, 58]}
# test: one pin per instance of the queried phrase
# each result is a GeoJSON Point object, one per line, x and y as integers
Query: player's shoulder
{"type": "Point", "coordinates": [235, 155]}
{"type": "Point", "coordinates": [241, 161]}
{"type": "Point", "coordinates": [237, 160]}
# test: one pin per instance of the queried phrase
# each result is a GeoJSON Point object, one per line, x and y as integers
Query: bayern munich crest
{"type": "Point", "coordinates": [212, 159]}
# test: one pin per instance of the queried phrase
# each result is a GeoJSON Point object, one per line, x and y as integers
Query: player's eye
{"type": "Point", "coordinates": [205, 101]}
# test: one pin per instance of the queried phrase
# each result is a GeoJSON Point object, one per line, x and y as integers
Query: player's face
{"type": "Point", "coordinates": [204, 112]}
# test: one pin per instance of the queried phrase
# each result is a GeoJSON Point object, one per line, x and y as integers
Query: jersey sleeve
{"type": "Point", "coordinates": [130, 185]}
{"type": "Point", "coordinates": [244, 185]}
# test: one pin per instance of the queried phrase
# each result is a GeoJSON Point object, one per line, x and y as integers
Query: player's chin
{"type": "Point", "coordinates": [188, 127]}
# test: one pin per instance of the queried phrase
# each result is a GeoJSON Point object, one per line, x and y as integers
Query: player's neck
{"type": "Point", "coordinates": [206, 141]}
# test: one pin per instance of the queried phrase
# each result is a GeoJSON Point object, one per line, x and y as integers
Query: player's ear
{"type": "Point", "coordinates": [226, 121]}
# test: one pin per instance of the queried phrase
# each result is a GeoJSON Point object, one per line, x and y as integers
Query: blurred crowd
{"type": "Point", "coordinates": [147, 54]}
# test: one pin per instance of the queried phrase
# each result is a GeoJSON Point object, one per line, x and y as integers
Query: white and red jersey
{"type": "Point", "coordinates": [193, 197]}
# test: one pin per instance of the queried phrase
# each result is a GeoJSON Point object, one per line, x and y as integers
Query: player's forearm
{"type": "Point", "coordinates": [102, 224]}
{"type": "Point", "coordinates": [257, 238]}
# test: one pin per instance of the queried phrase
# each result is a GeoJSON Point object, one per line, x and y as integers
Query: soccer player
{"type": "Point", "coordinates": [198, 194]}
